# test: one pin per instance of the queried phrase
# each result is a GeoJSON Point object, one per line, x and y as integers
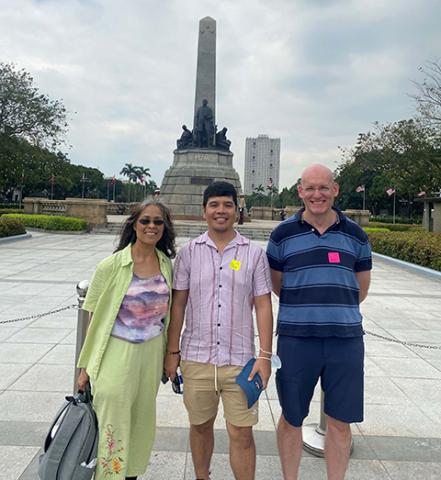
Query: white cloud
{"type": "Point", "coordinates": [314, 73]}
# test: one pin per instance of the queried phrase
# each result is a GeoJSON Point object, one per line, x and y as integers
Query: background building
{"type": "Point", "coordinates": [262, 162]}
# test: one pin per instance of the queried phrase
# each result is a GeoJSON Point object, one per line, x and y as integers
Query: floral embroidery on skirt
{"type": "Point", "coordinates": [112, 463]}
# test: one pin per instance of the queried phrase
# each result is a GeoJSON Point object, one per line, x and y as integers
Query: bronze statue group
{"type": "Point", "coordinates": [205, 134]}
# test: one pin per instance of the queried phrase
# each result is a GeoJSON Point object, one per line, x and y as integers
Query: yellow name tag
{"type": "Point", "coordinates": [235, 265]}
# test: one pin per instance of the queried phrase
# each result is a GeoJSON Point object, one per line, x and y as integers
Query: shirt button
{"type": "Point", "coordinates": [220, 268]}
{"type": "Point", "coordinates": [218, 343]}
{"type": "Point", "coordinates": [220, 286]}
{"type": "Point", "coordinates": [218, 324]}
{"type": "Point", "coordinates": [219, 306]}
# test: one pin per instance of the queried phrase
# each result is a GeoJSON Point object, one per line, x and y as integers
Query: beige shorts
{"type": "Point", "coordinates": [201, 399]}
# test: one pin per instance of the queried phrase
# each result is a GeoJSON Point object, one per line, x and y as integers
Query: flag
{"type": "Point", "coordinates": [113, 181]}
{"type": "Point", "coordinates": [360, 188]}
{"type": "Point", "coordinates": [390, 191]}
{"type": "Point", "coordinates": [270, 182]}
{"type": "Point", "coordinates": [421, 194]}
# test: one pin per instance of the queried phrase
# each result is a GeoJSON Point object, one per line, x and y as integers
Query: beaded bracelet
{"type": "Point", "coordinates": [263, 351]}
{"type": "Point", "coordinates": [173, 353]}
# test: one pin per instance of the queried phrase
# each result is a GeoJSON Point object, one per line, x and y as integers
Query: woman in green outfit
{"type": "Point", "coordinates": [129, 303]}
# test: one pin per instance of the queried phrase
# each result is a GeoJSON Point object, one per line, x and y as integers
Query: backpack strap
{"type": "Point", "coordinates": [56, 449]}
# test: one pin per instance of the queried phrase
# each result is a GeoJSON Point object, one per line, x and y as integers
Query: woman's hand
{"type": "Point", "coordinates": [82, 380]}
{"type": "Point", "coordinates": [171, 363]}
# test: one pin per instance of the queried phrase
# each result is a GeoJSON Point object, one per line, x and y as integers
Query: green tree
{"type": "Point", "coordinates": [28, 114]}
{"type": "Point", "coordinates": [142, 174]}
{"type": "Point", "coordinates": [405, 155]}
{"type": "Point", "coordinates": [289, 196]}
{"type": "Point", "coordinates": [428, 98]}
{"type": "Point", "coordinates": [131, 172]}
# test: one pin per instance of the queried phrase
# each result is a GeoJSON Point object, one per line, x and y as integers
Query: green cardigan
{"type": "Point", "coordinates": [105, 294]}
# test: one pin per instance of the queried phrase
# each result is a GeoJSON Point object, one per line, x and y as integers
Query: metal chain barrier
{"type": "Point", "coordinates": [39, 315]}
{"type": "Point", "coordinates": [402, 342]}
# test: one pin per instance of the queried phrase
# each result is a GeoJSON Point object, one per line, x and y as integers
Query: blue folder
{"type": "Point", "coordinates": [252, 388]}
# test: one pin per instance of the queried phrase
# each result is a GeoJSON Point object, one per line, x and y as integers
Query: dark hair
{"type": "Point", "coordinates": [128, 235]}
{"type": "Point", "coordinates": [219, 189]}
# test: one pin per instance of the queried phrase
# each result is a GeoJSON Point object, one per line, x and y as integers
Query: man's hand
{"type": "Point", "coordinates": [83, 380]}
{"type": "Point", "coordinates": [171, 363]}
{"type": "Point", "coordinates": [262, 366]}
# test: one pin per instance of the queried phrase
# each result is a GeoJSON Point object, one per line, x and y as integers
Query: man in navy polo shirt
{"type": "Point", "coordinates": [320, 263]}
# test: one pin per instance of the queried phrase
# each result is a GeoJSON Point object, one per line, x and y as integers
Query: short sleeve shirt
{"type": "Point", "coordinates": [219, 327]}
{"type": "Point", "coordinates": [319, 294]}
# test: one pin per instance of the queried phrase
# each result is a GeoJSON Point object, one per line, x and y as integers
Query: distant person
{"type": "Point", "coordinates": [320, 262]}
{"type": "Point", "coordinates": [122, 357]}
{"type": "Point", "coordinates": [219, 278]}
{"type": "Point", "coordinates": [241, 215]}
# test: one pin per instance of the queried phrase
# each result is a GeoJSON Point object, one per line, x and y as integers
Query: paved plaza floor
{"type": "Point", "coordinates": [400, 438]}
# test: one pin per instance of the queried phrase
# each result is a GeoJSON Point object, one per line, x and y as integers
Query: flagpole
{"type": "Point", "coordinates": [21, 189]}
{"type": "Point", "coordinates": [393, 216]}
{"type": "Point", "coordinates": [364, 198]}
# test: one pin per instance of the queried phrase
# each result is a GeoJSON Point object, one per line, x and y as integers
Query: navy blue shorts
{"type": "Point", "coordinates": [338, 362]}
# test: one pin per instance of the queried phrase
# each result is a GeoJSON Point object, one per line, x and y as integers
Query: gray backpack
{"type": "Point", "coordinates": [71, 445]}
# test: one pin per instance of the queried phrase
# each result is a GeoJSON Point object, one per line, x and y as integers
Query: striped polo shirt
{"type": "Point", "coordinates": [219, 327]}
{"type": "Point", "coordinates": [319, 294]}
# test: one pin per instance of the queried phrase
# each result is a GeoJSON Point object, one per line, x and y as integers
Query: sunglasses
{"type": "Point", "coordinates": [147, 220]}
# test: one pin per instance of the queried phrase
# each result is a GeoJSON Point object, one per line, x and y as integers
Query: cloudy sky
{"type": "Point", "coordinates": [313, 72]}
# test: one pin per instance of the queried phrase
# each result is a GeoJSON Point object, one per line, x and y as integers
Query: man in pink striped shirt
{"type": "Point", "coordinates": [219, 277]}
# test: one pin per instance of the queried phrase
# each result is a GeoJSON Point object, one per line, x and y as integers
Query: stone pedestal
{"type": "Point", "coordinates": [291, 210]}
{"type": "Point", "coordinates": [92, 210]}
{"type": "Point", "coordinates": [359, 216]}
{"type": "Point", "coordinates": [192, 171]}
{"type": "Point", "coordinates": [432, 214]}
{"type": "Point", "coordinates": [262, 213]}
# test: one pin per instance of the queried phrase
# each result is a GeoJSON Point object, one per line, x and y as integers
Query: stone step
{"type": "Point", "coordinates": [191, 231]}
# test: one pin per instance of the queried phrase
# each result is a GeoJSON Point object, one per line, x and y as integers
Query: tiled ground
{"type": "Point", "coordinates": [400, 438]}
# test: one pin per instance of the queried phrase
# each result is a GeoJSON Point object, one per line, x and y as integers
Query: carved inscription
{"type": "Point", "coordinates": [201, 180]}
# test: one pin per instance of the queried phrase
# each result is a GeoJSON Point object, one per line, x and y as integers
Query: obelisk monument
{"type": "Point", "coordinates": [202, 155]}
{"type": "Point", "coordinates": [206, 67]}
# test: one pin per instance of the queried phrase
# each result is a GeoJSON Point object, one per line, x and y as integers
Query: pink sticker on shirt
{"type": "Point", "coordinates": [334, 257]}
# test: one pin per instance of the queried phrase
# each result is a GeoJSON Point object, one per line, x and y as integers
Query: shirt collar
{"type": "Point", "coordinates": [237, 240]}
{"type": "Point", "coordinates": [340, 216]}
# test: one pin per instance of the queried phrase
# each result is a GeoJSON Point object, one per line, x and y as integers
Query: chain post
{"type": "Point", "coordinates": [314, 434]}
{"type": "Point", "coordinates": [82, 324]}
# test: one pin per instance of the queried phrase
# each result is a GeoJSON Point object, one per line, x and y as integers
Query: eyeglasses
{"type": "Point", "coordinates": [155, 221]}
{"type": "Point", "coordinates": [323, 189]}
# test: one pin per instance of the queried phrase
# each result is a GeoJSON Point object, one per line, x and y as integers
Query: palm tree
{"type": "Point", "coordinates": [260, 190]}
{"type": "Point", "coordinates": [130, 171]}
{"type": "Point", "coordinates": [142, 174]}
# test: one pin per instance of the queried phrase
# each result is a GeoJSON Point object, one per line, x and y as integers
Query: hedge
{"type": "Point", "coordinates": [3, 211]}
{"type": "Point", "coordinates": [11, 226]}
{"type": "Point", "coordinates": [390, 219]}
{"type": "Point", "coordinates": [375, 229]}
{"type": "Point", "coordinates": [50, 222]}
{"type": "Point", "coordinates": [419, 247]}
{"type": "Point", "coordinates": [397, 227]}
